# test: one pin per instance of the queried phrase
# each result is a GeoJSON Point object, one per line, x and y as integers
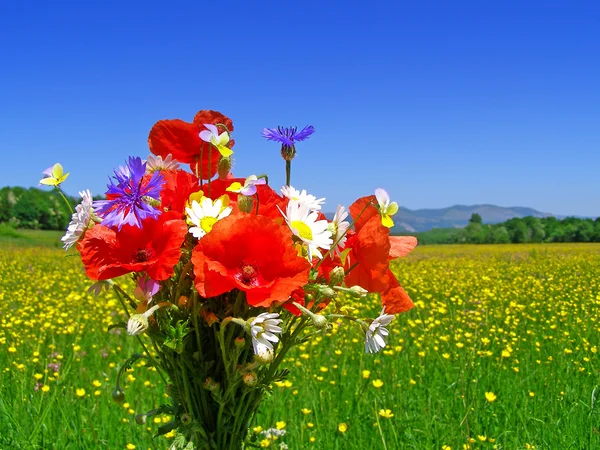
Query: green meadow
{"type": "Point", "coordinates": [500, 352]}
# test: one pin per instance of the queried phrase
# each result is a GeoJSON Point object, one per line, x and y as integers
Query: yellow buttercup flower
{"type": "Point", "coordinates": [490, 397]}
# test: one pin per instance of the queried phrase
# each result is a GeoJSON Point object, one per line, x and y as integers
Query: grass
{"type": "Point", "coordinates": [12, 237]}
{"type": "Point", "coordinates": [518, 322]}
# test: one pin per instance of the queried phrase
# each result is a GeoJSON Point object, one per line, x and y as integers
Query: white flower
{"type": "Point", "coordinates": [206, 213]}
{"type": "Point", "coordinates": [80, 220]}
{"type": "Point", "coordinates": [304, 224]}
{"type": "Point", "coordinates": [377, 333]}
{"type": "Point", "coordinates": [157, 163]}
{"type": "Point", "coordinates": [211, 135]}
{"type": "Point", "coordinates": [302, 197]}
{"type": "Point", "coordinates": [338, 227]}
{"type": "Point", "coordinates": [264, 328]}
{"type": "Point", "coordinates": [138, 323]}
{"type": "Point", "coordinates": [386, 208]}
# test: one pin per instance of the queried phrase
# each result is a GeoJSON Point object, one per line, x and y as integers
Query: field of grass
{"type": "Point", "coordinates": [10, 237]}
{"type": "Point", "coordinates": [500, 352]}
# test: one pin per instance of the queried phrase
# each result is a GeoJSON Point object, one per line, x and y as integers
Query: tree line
{"type": "Point", "coordinates": [516, 230]}
{"type": "Point", "coordinates": [34, 208]}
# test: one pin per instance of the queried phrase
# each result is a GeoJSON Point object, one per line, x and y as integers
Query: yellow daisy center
{"type": "Point", "coordinates": [207, 223]}
{"type": "Point", "coordinates": [303, 230]}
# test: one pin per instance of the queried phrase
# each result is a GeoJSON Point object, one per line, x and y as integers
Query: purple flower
{"type": "Point", "coordinates": [130, 196]}
{"type": "Point", "coordinates": [288, 135]}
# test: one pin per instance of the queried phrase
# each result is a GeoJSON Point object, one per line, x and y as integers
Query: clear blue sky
{"type": "Point", "coordinates": [440, 103]}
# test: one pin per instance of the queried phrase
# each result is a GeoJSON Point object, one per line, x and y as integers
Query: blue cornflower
{"type": "Point", "coordinates": [130, 197]}
{"type": "Point", "coordinates": [288, 135]}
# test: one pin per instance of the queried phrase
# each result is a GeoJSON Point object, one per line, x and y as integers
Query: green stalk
{"type": "Point", "coordinates": [69, 206]}
{"type": "Point", "coordinates": [288, 170]}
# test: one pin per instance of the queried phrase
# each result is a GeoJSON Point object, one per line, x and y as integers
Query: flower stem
{"type": "Point", "coordinates": [69, 206]}
{"type": "Point", "coordinates": [288, 172]}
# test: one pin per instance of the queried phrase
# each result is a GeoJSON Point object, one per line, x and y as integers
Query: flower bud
{"type": "Point", "coordinates": [357, 291]}
{"type": "Point", "coordinates": [224, 167]}
{"type": "Point", "coordinates": [183, 301]}
{"type": "Point", "coordinates": [209, 317]}
{"type": "Point", "coordinates": [185, 419]}
{"type": "Point", "coordinates": [326, 291]}
{"type": "Point", "coordinates": [320, 322]}
{"type": "Point", "coordinates": [288, 152]}
{"type": "Point", "coordinates": [245, 203]}
{"type": "Point", "coordinates": [250, 379]}
{"type": "Point", "coordinates": [210, 385]}
{"type": "Point", "coordinates": [239, 342]}
{"type": "Point", "coordinates": [140, 419]}
{"type": "Point", "coordinates": [118, 395]}
{"type": "Point", "coordinates": [336, 276]}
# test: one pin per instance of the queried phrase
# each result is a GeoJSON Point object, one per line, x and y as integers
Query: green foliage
{"type": "Point", "coordinates": [517, 230]}
{"type": "Point", "coordinates": [34, 209]}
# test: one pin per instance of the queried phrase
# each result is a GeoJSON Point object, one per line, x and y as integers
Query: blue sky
{"type": "Point", "coordinates": [440, 103]}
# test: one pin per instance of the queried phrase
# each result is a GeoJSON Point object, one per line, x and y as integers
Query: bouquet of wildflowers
{"type": "Point", "coordinates": [229, 273]}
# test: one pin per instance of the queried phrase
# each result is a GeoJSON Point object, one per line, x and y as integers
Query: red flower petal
{"type": "Point", "coordinates": [250, 253]}
{"type": "Point", "coordinates": [154, 249]}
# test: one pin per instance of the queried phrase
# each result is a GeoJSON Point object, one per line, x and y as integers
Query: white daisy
{"type": "Point", "coordinates": [377, 333]}
{"type": "Point", "coordinates": [80, 220]}
{"type": "Point", "coordinates": [157, 163]}
{"type": "Point", "coordinates": [338, 227]}
{"type": "Point", "coordinates": [264, 329]}
{"type": "Point", "coordinates": [206, 213]}
{"type": "Point", "coordinates": [304, 224]}
{"type": "Point", "coordinates": [302, 197]}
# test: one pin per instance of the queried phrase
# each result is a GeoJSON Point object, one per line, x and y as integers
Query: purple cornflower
{"type": "Point", "coordinates": [288, 135]}
{"type": "Point", "coordinates": [130, 196]}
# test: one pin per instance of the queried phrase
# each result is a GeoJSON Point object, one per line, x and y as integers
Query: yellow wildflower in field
{"type": "Point", "coordinates": [490, 397]}
{"type": "Point", "coordinates": [377, 383]}
{"type": "Point", "coordinates": [366, 374]}
{"type": "Point", "coordinates": [386, 413]}
{"type": "Point", "coordinates": [80, 392]}
{"type": "Point", "coordinates": [280, 425]}
{"type": "Point", "coordinates": [130, 447]}
{"type": "Point", "coordinates": [342, 427]}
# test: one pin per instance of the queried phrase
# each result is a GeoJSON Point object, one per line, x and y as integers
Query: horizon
{"type": "Point", "coordinates": [439, 104]}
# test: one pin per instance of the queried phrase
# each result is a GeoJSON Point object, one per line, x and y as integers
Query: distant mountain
{"type": "Point", "coordinates": [457, 216]}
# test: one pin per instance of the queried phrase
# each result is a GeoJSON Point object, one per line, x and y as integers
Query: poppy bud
{"type": "Point", "coordinates": [357, 291]}
{"type": "Point", "coordinates": [224, 167]}
{"type": "Point", "coordinates": [118, 395]}
{"type": "Point", "coordinates": [245, 203]}
{"type": "Point", "coordinates": [140, 419]}
{"type": "Point", "coordinates": [336, 276]}
{"type": "Point", "coordinates": [185, 419]}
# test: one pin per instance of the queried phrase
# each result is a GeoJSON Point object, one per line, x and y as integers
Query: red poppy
{"type": "Point", "coordinates": [154, 248]}
{"type": "Point", "coordinates": [250, 253]}
{"type": "Point", "coordinates": [371, 250]}
{"type": "Point", "coordinates": [176, 191]}
{"type": "Point", "coordinates": [181, 140]}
